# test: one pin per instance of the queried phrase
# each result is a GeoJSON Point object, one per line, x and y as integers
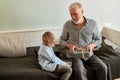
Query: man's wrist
{"type": "Point", "coordinates": [68, 45]}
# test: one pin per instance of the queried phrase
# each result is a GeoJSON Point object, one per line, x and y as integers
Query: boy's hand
{"type": "Point", "coordinates": [68, 64]}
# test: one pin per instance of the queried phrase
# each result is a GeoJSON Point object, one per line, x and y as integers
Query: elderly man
{"type": "Point", "coordinates": [82, 33]}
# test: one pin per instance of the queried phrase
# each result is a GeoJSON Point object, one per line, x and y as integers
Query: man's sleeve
{"type": "Point", "coordinates": [97, 38]}
{"type": "Point", "coordinates": [64, 36]}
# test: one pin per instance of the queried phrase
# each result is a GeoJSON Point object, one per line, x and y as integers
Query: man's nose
{"type": "Point", "coordinates": [74, 17]}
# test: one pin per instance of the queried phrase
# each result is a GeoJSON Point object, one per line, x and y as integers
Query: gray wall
{"type": "Point", "coordinates": [36, 14]}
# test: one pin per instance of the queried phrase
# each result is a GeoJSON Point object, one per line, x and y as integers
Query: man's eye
{"type": "Point", "coordinates": [77, 14]}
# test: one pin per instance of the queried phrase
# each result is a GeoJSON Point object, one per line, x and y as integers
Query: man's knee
{"type": "Point", "coordinates": [77, 63]}
{"type": "Point", "coordinates": [103, 67]}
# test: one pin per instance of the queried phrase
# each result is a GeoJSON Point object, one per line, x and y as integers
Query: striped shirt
{"type": "Point", "coordinates": [88, 34]}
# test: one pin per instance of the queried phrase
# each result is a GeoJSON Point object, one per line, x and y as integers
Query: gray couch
{"type": "Point", "coordinates": [27, 68]}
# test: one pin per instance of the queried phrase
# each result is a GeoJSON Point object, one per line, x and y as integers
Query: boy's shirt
{"type": "Point", "coordinates": [47, 58]}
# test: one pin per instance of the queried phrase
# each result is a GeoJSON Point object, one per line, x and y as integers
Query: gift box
{"type": "Point", "coordinates": [81, 54]}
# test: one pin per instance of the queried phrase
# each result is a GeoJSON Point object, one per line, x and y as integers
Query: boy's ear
{"type": "Point", "coordinates": [48, 40]}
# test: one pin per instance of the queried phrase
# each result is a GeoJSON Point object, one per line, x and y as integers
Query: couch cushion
{"type": "Point", "coordinates": [112, 35]}
{"type": "Point", "coordinates": [114, 46]}
{"type": "Point", "coordinates": [24, 68]}
{"type": "Point", "coordinates": [32, 51]}
{"type": "Point", "coordinates": [12, 45]}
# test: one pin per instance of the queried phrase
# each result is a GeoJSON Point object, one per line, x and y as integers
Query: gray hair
{"type": "Point", "coordinates": [75, 3]}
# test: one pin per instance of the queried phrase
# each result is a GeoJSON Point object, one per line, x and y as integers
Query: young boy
{"type": "Point", "coordinates": [49, 61]}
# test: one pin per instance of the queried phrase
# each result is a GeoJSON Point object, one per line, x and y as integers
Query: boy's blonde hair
{"type": "Point", "coordinates": [48, 37]}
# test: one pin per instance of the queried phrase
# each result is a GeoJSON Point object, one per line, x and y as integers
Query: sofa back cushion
{"type": "Point", "coordinates": [112, 35]}
{"type": "Point", "coordinates": [12, 45]}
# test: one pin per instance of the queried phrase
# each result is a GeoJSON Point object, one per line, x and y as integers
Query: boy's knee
{"type": "Point", "coordinates": [69, 70]}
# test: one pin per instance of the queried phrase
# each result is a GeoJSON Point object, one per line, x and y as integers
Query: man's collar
{"type": "Point", "coordinates": [86, 19]}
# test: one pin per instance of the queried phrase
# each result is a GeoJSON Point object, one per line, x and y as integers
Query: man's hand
{"type": "Point", "coordinates": [90, 48]}
{"type": "Point", "coordinates": [71, 47]}
{"type": "Point", "coordinates": [80, 49]}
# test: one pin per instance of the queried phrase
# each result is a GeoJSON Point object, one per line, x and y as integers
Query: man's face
{"type": "Point", "coordinates": [76, 14]}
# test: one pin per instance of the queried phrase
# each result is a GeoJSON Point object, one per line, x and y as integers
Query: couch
{"type": "Point", "coordinates": [27, 67]}
{"type": "Point", "coordinates": [24, 68]}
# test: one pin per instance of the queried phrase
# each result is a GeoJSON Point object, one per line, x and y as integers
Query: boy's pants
{"type": "Point", "coordinates": [65, 70]}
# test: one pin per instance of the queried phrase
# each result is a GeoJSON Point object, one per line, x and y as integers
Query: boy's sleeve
{"type": "Point", "coordinates": [47, 63]}
{"type": "Point", "coordinates": [46, 54]}
{"type": "Point", "coordinates": [60, 61]}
